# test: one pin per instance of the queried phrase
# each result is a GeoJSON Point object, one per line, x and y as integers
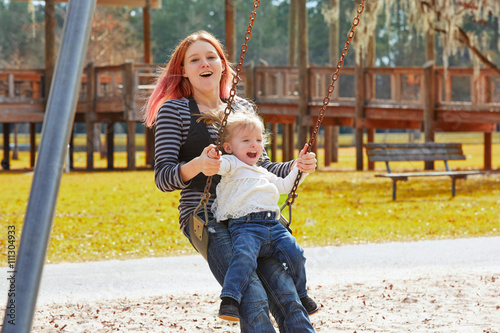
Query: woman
{"type": "Point", "coordinates": [197, 79]}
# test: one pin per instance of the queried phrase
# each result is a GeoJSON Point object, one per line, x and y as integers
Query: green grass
{"type": "Point", "coordinates": [119, 215]}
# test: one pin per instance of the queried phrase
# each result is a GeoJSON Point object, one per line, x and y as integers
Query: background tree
{"type": "Point", "coordinates": [21, 41]}
{"type": "Point", "coordinates": [113, 39]}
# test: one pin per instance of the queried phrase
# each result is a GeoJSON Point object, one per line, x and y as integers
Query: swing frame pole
{"type": "Point", "coordinates": [59, 115]}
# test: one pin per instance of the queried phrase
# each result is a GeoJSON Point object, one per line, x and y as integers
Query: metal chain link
{"type": "Point", "coordinates": [326, 100]}
{"type": "Point", "coordinates": [232, 93]}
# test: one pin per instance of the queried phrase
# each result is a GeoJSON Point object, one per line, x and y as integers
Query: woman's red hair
{"type": "Point", "coordinates": [172, 85]}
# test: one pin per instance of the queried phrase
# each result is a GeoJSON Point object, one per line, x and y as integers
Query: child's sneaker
{"type": "Point", "coordinates": [310, 305]}
{"type": "Point", "coordinates": [229, 309]}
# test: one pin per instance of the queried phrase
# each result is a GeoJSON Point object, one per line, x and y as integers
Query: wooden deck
{"type": "Point", "coordinates": [391, 98]}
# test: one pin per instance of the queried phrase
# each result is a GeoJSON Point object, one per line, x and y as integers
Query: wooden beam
{"type": "Point", "coordinates": [429, 105]}
{"type": "Point", "coordinates": [146, 24]}
{"type": "Point", "coordinates": [292, 33]}
{"type": "Point", "coordinates": [488, 141]}
{"type": "Point", "coordinates": [110, 135]}
{"type": "Point", "coordinates": [6, 146]}
{"type": "Point", "coordinates": [359, 83]}
{"type": "Point", "coordinates": [155, 4]}
{"type": "Point", "coordinates": [229, 24]}
{"type": "Point", "coordinates": [303, 58]}
{"type": "Point", "coordinates": [32, 144]}
{"type": "Point", "coordinates": [391, 124]}
{"type": "Point", "coordinates": [50, 43]}
{"type": "Point", "coordinates": [464, 127]}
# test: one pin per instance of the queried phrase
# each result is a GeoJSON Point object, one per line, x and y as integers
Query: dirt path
{"type": "Point", "coordinates": [428, 286]}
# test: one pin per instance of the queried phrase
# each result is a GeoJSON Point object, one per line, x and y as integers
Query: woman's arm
{"type": "Point", "coordinates": [172, 127]}
{"type": "Point", "coordinates": [306, 163]}
{"type": "Point", "coordinates": [170, 135]}
{"type": "Point", "coordinates": [280, 169]}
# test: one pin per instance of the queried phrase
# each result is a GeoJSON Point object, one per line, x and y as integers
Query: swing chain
{"type": "Point", "coordinates": [326, 100]}
{"type": "Point", "coordinates": [232, 93]}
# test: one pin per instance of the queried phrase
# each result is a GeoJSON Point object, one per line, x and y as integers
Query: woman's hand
{"type": "Point", "coordinates": [210, 161]}
{"type": "Point", "coordinates": [307, 161]}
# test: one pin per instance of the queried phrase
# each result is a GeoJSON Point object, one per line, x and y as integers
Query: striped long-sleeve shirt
{"type": "Point", "coordinates": [172, 127]}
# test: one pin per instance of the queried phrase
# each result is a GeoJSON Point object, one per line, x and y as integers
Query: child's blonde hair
{"type": "Point", "coordinates": [240, 117]}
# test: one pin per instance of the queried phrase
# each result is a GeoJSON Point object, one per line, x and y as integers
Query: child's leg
{"type": "Point", "coordinates": [289, 252]}
{"type": "Point", "coordinates": [246, 241]}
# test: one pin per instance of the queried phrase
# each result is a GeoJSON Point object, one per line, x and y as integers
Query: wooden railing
{"type": "Point", "coordinates": [384, 86]}
{"type": "Point", "coordinates": [21, 95]}
{"type": "Point", "coordinates": [391, 88]}
{"type": "Point", "coordinates": [465, 99]}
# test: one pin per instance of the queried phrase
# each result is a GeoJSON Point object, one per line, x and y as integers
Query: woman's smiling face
{"type": "Point", "coordinates": [203, 67]}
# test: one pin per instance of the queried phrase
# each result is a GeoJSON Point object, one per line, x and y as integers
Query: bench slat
{"type": "Point", "coordinates": [416, 158]}
{"type": "Point", "coordinates": [437, 151]}
{"type": "Point", "coordinates": [430, 174]}
{"type": "Point", "coordinates": [414, 145]}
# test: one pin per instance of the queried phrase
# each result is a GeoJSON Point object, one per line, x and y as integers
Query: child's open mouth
{"type": "Point", "coordinates": [252, 155]}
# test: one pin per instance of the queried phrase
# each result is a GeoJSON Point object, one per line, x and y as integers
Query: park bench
{"type": "Point", "coordinates": [429, 151]}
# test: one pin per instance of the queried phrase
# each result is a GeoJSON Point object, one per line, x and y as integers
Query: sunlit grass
{"type": "Point", "coordinates": [105, 215]}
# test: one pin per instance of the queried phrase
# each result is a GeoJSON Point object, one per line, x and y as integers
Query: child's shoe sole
{"type": "Point", "coordinates": [229, 317]}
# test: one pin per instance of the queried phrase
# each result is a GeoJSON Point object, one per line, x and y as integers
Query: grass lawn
{"type": "Point", "coordinates": [119, 215]}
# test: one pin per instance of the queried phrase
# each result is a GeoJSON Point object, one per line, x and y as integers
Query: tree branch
{"type": "Point", "coordinates": [464, 39]}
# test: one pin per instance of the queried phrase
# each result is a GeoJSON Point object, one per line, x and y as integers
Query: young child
{"type": "Point", "coordinates": [247, 198]}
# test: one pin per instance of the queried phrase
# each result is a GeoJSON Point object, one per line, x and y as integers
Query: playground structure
{"type": "Point", "coordinates": [366, 99]}
{"type": "Point", "coordinates": [118, 95]}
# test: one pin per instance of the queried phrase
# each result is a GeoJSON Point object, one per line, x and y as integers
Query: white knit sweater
{"type": "Point", "coordinates": [246, 189]}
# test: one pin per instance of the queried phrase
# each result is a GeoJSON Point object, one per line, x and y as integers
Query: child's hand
{"type": "Point", "coordinates": [307, 161]}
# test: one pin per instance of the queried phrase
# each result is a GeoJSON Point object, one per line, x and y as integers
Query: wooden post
{"type": "Point", "coordinates": [488, 141]}
{"type": "Point", "coordinates": [291, 141]}
{"type": "Point", "coordinates": [429, 107]}
{"type": "Point", "coordinates": [146, 24]}
{"type": "Point", "coordinates": [359, 83]}
{"type": "Point", "coordinates": [71, 149]}
{"type": "Point", "coordinates": [110, 134]}
{"type": "Point", "coordinates": [335, 143]}
{"type": "Point", "coordinates": [6, 146]}
{"type": "Point", "coordinates": [327, 144]}
{"type": "Point", "coordinates": [15, 152]}
{"type": "Point", "coordinates": [303, 73]}
{"type": "Point", "coordinates": [131, 145]}
{"type": "Point", "coordinates": [250, 81]}
{"type": "Point", "coordinates": [90, 114]}
{"type": "Point", "coordinates": [230, 35]}
{"type": "Point", "coordinates": [332, 132]}
{"type": "Point", "coordinates": [288, 132]}
{"type": "Point", "coordinates": [32, 144]}
{"type": "Point", "coordinates": [370, 62]}
{"type": "Point", "coordinates": [129, 115]}
{"type": "Point", "coordinates": [50, 43]}
{"type": "Point", "coordinates": [274, 142]}
{"type": "Point", "coordinates": [292, 34]}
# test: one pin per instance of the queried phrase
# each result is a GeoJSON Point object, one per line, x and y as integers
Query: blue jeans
{"type": "Point", "coordinates": [261, 235]}
{"type": "Point", "coordinates": [270, 288]}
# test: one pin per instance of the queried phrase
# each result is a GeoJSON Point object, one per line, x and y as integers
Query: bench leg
{"type": "Point", "coordinates": [453, 179]}
{"type": "Point", "coordinates": [394, 187]}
